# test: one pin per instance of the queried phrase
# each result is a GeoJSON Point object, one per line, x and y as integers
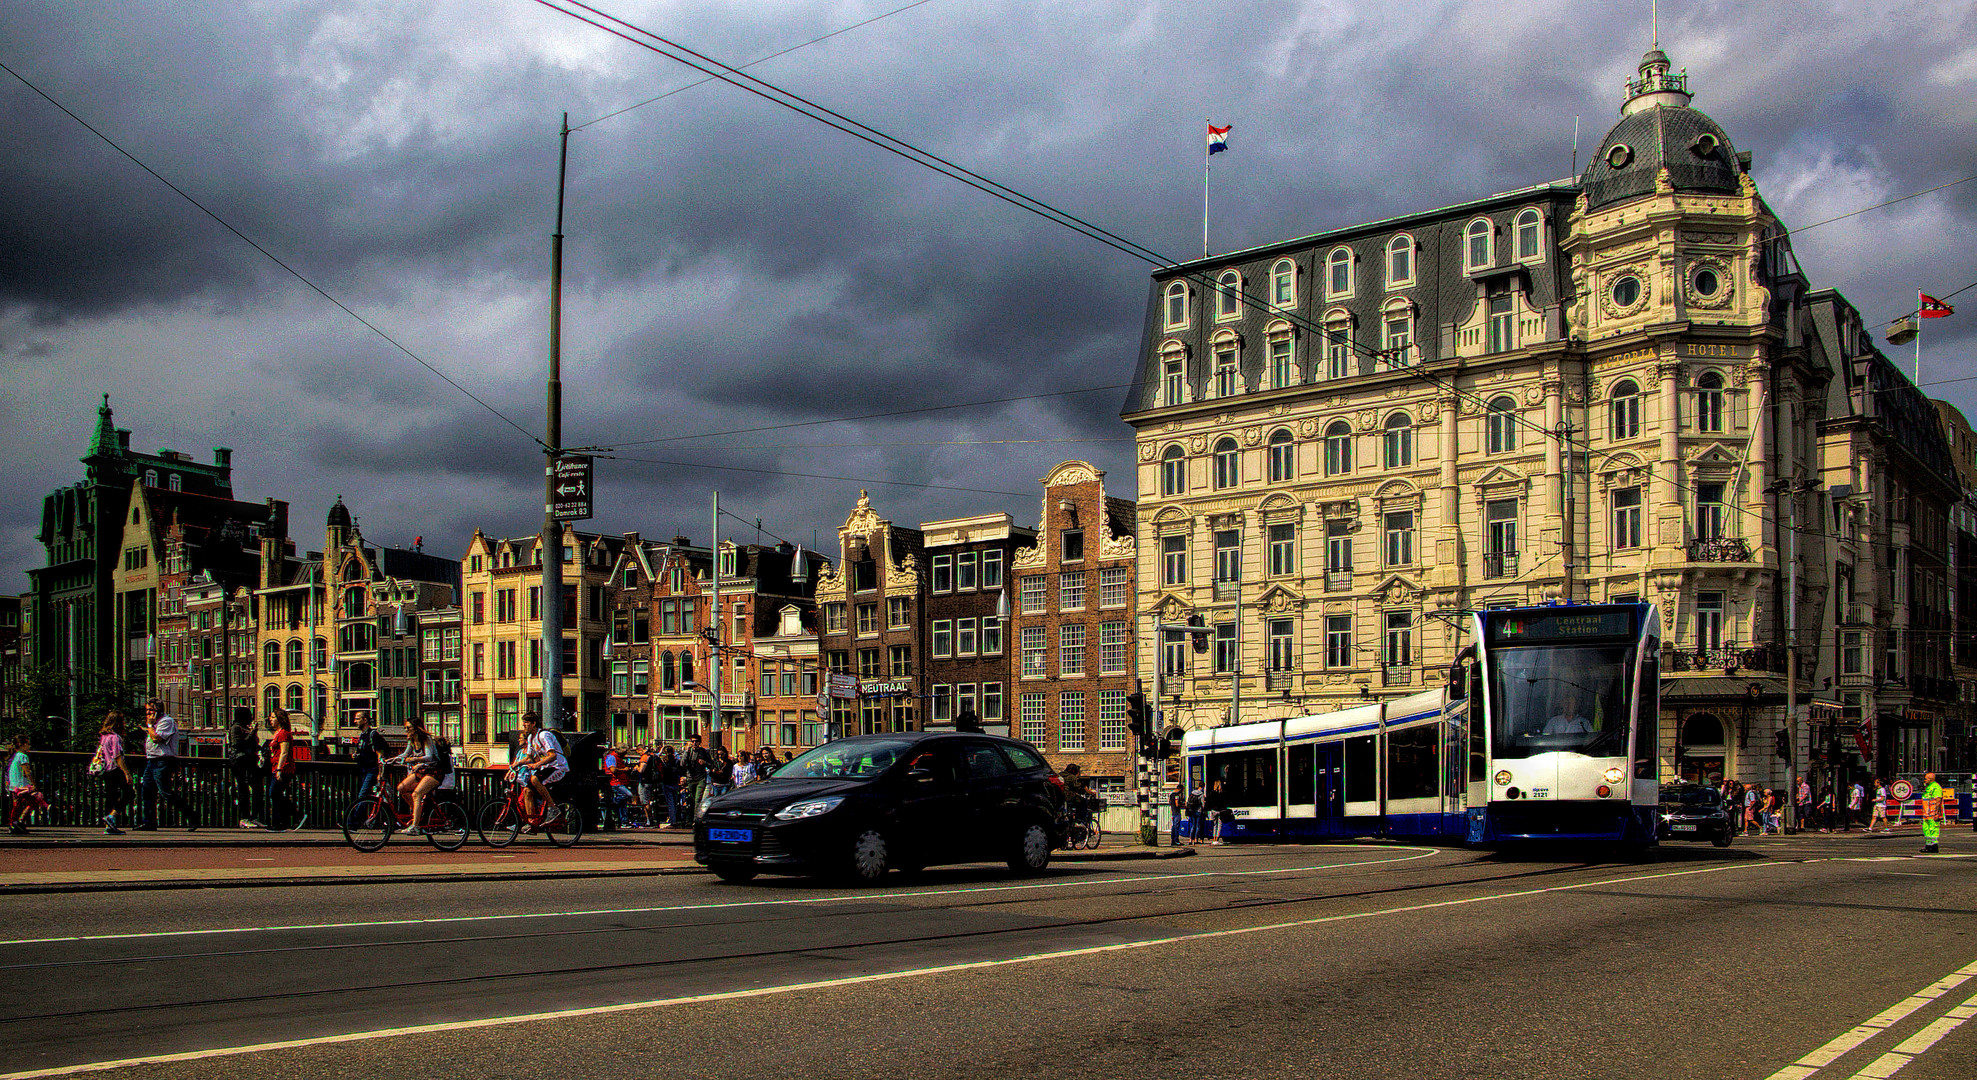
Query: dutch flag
{"type": "Point", "coordinates": [1218, 138]}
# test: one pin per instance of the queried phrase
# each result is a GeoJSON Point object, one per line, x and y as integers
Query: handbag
{"type": "Point", "coordinates": [96, 766]}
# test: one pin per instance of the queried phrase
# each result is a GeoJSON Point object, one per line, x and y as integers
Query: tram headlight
{"type": "Point", "coordinates": [1614, 775]}
{"type": "Point", "coordinates": [1502, 777]}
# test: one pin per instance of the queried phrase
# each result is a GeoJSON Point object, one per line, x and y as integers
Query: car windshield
{"type": "Point", "coordinates": [1700, 797]}
{"type": "Point", "coordinates": [1551, 698]}
{"type": "Point", "coordinates": [847, 759]}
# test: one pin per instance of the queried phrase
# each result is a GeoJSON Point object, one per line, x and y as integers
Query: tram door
{"type": "Point", "coordinates": [1331, 785]}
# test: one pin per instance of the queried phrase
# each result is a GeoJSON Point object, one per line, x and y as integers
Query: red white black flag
{"type": "Point", "coordinates": [1932, 308]}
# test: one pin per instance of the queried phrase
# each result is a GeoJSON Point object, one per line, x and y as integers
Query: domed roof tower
{"type": "Point", "coordinates": [1659, 130]}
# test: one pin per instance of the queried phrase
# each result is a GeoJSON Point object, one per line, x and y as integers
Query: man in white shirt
{"type": "Point", "coordinates": [160, 762]}
{"type": "Point", "coordinates": [542, 764]}
{"type": "Point", "coordinates": [1570, 719]}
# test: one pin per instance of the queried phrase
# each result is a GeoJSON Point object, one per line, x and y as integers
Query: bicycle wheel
{"type": "Point", "coordinates": [1091, 836]}
{"type": "Point", "coordinates": [567, 829]}
{"type": "Point", "coordinates": [500, 823]}
{"type": "Point", "coordinates": [367, 825]}
{"type": "Point", "coordinates": [446, 826]}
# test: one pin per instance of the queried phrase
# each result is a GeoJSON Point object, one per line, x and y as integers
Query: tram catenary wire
{"type": "Point", "coordinates": [1063, 924]}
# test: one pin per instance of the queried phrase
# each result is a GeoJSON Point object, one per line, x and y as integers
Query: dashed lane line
{"type": "Point", "coordinates": [1848, 1041]}
{"type": "Point", "coordinates": [1916, 1045]}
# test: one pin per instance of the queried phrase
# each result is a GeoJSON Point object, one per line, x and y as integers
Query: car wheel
{"type": "Point", "coordinates": [1031, 854]}
{"type": "Point", "coordinates": [734, 874]}
{"type": "Point", "coordinates": [1722, 839]}
{"type": "Point", "coordinates": [868, 858]}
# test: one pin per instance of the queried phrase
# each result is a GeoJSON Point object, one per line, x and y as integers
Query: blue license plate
{"type": "Point", "coordinates": [731, 836]}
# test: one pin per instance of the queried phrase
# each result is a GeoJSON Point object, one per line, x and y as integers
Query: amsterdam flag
{"type": "Point", "coordinates": [1932, 308]}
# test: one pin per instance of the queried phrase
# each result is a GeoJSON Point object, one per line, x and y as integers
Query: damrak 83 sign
{"type": "Point", "coordinates": [570, 488]}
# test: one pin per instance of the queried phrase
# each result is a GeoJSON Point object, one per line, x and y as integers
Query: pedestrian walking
{"type": "Point", "coordinates": [1877, 819]}
{"type": "Point", "coordinates": [161, 769]}
{"type": "Point", "coordinates": [281, 772]}
{"type": "Point", "coordinates": [1197, 813]}
{"type": "Point", "coordinates": [1768, 812]}
{"type": "Point", "coordinates": [22, 798]}
{"type": "Point", "coordinates": [1177, 805]}
{"type": "Point", "coordinates": [1856, 801]}
{"type": "Point", "coordinates": [109, 767]}
{"type": "Point", "coordinates": [1804, 802]}
{"type": "Point", "coordinates": [244, 766]}
{"type": "Point", "coordinates": [672, 775]}
{"type": "Point", "coordinates": [743, 773]}
{"type": "Point", "coordinates": [1751, 798]}
{"type": "Point", "coordinates": [1219, 813]}
{"type": "Point", "coordinates": [371, 748]}
{"type": "Point", "coordinates": [1932, 813]}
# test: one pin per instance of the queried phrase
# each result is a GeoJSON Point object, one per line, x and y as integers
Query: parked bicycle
{"type": "Point", "coordinates": [370, 821]}
{"type": "Point", "coordinates": [504, 819]}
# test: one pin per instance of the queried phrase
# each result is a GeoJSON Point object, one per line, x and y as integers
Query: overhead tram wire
{"type": "Point", "coordinates": [927, 159]}
{"type": "Point", "coordinates": [272, 257]}
{"type": "Point", "coordinates": [819, 476]}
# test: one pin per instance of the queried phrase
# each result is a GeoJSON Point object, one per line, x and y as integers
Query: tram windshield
{"type": "Point", "coordinates": [1550, 698]}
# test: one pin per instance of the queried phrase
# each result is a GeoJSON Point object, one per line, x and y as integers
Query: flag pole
{"type": "Point", "coordinates": [1918, 337]}
{"type": "Point", "coordinates": [1206, 158]}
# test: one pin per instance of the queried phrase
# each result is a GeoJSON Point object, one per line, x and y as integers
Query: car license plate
{"type": "Point", "coordinates": [1685, 828]}
{"type": "Point", "coordinates": [731, 836]}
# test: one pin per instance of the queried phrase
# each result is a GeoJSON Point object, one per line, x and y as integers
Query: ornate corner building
{"type": "Point", "coordinates": [1614, 387]}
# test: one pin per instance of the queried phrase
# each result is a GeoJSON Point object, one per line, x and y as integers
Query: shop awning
{"type": "Point", "coordinates": [1723, 689]}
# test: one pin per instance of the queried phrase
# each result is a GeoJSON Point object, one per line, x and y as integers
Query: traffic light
{"type": "Point", "coordinates": [1200, 636]}
{"type": "Point", "coordinates": [1164, 749]}
{"type": "Point", "coordinates": [1784, 744]}
{"type": "Point", "coordinates": [1138, 721]}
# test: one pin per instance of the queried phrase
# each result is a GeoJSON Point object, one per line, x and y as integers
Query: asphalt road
{"type": "Point", "coordinates": [1361, 961]}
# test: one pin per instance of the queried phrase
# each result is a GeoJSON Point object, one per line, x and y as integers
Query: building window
{"type": "Point", "coordinates": [1400, 537]}
{"type": "Point", "coordinates": [1477, 248]}
{"type": "Point", "coordinates": [868, 619]}
{"type": "Point", "coordinates": [898, 613]}
{"type": "Point", "coordinates": [1173, 378]}
{"type": "Point", "coordinates": [1283, 550]}
{"type": "Point", "coordinates": [1173, 471]}
{"type": "Point", "coordinates": [1282, 372]}
{"type": "Point", "coordinates": [991, 635]}
{"type": "Point", "coordinates": [1397, 342]}
{"type": "Point", "coordinates": [1709, 402]}
{"type": "Point", "coordinates": [1338, 348]}
{"type": "Point", "coordinates": [1500, 538]}
{"type": "Point", "coordinates": [641, 676]}
{"type": "Point", "coordinates": [1073, 545]}
{"type": "Point", "coordinates": [1177, 305]}
{"type": "Point", "coordinates": [1400, 261]}
{"type": "Point", "coordinates": [943, 566]}
{"type": "Point", "coordinates": [1283, 457]}
{"type": "Point", "coordinates": [1398, 442]}
{"type": "Point", "coordinates": [1225, 647]}
{"type": "Point", "coordinates": [1503, 323]}
{"type": "Point", "coordinates": [1709, 621]}
{"type": "Point", "coordinates": [1627, 517]}
{"type": "Point", "coordinates": [964, 572]}
{"type": "Point", "coordinates": [1228, 295]}
{"type": "Point", "coordinates": [1115, 586]}
{"type": "Point", "coordinates": [295, 656]}
{"type": "Point", "coordinates": [1173, 560]}
{"type": "Point", "coordinates": [1338, 449]}
{"type": "Point", "coordinates": [1500, 425]}
{"type": "Point", "coordinates": [1530, 231]}
{"type": "Point", "coordinates": [1852, 653]}
{"type": "Point", "coordinates": [1709, 511]}
{"type": "Point", "coordinates": [900, 659]}
{"type": "Point", "coordinates": [1228, 556]}
{"type": "Point", "coordinates": [1174, 650]}
{"type": "Point", "coordinates": [1228, 468]}
{"type": "Point", "coordinates": [1111, 648]}
{"type": "Point", "coordinates": [1338, 641]}
{"type": "Point", "coordinates": [1283, 283]}
{"type": "Point", "coordinates": [1400, 638]}
{"type": "Point", "coordinates": [943, 702]}
{"type": "Point", "coordinates": [1071, 591]}
{"type": "Point", "coordinates": [943, 638]}
{"type": "Point", "coordinates": [964, 637]}
{"type": "Point", "coordinates": [1030, 588]}
{"type": "Point", "coordinates": [1071, 649]}
{"type": "Point", "coordinates": [1225, 369]}
{"type": "Point", "coordinates": [1111, 719]}
{"type": "Point", "coordinates": [1071, 720]}
{"type": "Point", "coordinates": [1338, 547]}
{"type": "Point", "coordinates": [1338, 273]}
{"type": "Point", "coordinates": [1624, 406]}
{"type": "Point", "coordinates": [992, 569]}
{"type": "Point", "coordinates": [1033, 718]}
{"type": "Point", "coordinates": [833, 618]}
{"type": "Point", "coordinates": [1283, 645]}
{"type": "Point", "coordinates": [868, 664]}
{"type": "Point", "coordinates": [1032, 646]}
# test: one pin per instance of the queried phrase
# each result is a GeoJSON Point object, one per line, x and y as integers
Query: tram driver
{"type": "Point", "coordinates": [1570, 717]}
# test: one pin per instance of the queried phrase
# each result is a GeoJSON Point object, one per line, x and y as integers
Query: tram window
{"type": "Point", "coordinates": [1647, 739]}
{"type": "Point", "coordinates": [1412, 772]}
{"type": "Point", "coordinates": [1360, 781]}
{"type": "Point", "coordinates": [1548, 698]}
{"type": "Point", "coordinates": [1248, 777]}
{"type": "Point", "coordinates": [1303, 776]}
{"type": "Point", "coordinates": [1479, 762]}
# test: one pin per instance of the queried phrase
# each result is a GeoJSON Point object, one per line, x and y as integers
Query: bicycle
{"type": "Point", "coordinates": [503, 819]}
{"type": "Point", "coordinates": [370, 821]}
{"type": "Point", "coordinates": [1081, 830]}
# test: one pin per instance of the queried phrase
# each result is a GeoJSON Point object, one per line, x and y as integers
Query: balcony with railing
{"type": "Point", "coordinates": [1499, 564]}
{"type": "Point", "coordinates": [1338, 581]}
{"type": "Point", "coordinates": [1728, 659]}
{"type": "Point", "coordinates": [1719, 549]}
{"type": "Point", "coordinates": [1280, 679]}
{"type": "Point", "coordinates": [1227, 590]}
{"type": "Point", "coordinates": [1856, 613]}
{"type": "Point", "coordinates": [1397, 675]}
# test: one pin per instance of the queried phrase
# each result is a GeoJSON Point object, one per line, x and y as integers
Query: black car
{"type": "Point", "coordinates": [1694, 812]}
{"type": "Point", "coordinates": [861, 806]}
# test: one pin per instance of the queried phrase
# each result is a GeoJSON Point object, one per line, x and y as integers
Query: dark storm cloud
{"type": "Point", "coordinates": [731, 265]}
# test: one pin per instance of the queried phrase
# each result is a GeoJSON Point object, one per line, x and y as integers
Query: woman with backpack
{"type": "Point", "coordinates": [109, 765]}
{"type": "Point", "coordinates": [244, 765]}
{"type": "Point", "coordinates": [428, 765]}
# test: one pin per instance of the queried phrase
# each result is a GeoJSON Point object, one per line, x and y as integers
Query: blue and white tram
{"type": "Point", "coordinates": [1545, 730]}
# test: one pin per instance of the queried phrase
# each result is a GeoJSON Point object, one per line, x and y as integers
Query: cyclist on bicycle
{"type": "Point", "coordinates": [1078, 797]}
{"type": "Point", "coordinates": [542, 764]}
{"type": "Point", "coordinates": [426, 768]}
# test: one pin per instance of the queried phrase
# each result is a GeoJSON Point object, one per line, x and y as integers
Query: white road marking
{"type": "Point", "coordinates": [1915, 1045]}
{"type": "Point", "coordinates": [825, 984]}
{"type": "Point", "coordinates": [1875, 1025]}
{"type": "Point", "coordinates": [1420, 853]}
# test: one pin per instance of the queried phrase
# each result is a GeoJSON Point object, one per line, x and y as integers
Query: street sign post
{"type": "Point", "coordinates": [571, 488]}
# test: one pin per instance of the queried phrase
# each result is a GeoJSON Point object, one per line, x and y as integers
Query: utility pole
{"type": "Point", "coordinates": [552, 529]}
{"type": "Point", "coordinates": [714, 619]}
{"type": "Point", "coordinates": [70, 611]}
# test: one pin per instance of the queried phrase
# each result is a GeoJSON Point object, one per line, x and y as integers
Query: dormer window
{"type": "Point", "coordinates": [1478, 244]}
{"type": "Point", "coordinates": [1228, 295]}
{"type": "Point", "coordinates": [1283, 283]}
{"type": "Point", "coordinates": [1530, 234]}
{"type": "Point", "coordinates": [1338, 273]}
{"type": "Point", "coordinates": [1225, 367]}
{"type": "Point", "coordinates": [1177, 305]}
{"type": "Point", "coordinates": [1400, 261]}
{"type": "Point", "coordinates": [1173, 376]}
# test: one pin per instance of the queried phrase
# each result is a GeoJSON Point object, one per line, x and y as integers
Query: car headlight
{"type": "Point", "coordinates": [1614, 774]}
{"type": "Point", "coordinates": [809, 808]}
{"type": "Point", "coordinates": [1503, 777]}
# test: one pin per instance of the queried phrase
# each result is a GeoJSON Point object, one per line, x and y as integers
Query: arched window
{"type": "Point", "coordinates": [1502, 425]}
{"type": "Point", "coordinates": [353, 571]}
{"type": "Point", "coordinates": [1173, 373]}
{"type": "Point", "coordinates": [271, 658]}
{"type": "Point", "coordinates": [1283, 456]}
{"type": "Point", "coordinates": [1283, 283]}
{"type": "Point", "coordinates": [1283, 365]}
{"type": "Point", "coordinates": [686, 668]}
{"type": "Point", "coordinates": [1397, 335]}
{"type": "Point", "coordinates": [294, 702]}
{"type": "Point", "coordinates": [358, 677]}
{"type": "Point", "coordinates": [1399, 441]}
{"type": "Point", "coordinates": [1338, 345]}
{"type": "Point", "coordinates": [1226, 380]}
{"type": "Point", "coordinates": [1702, 729]}
{"type": "Point", "coordinates": [294, 655]}
{"type": "Point", "coordinates": [1174, 471]}
{"type": "Point", "coordinates": [1477, 248]}
{"type": "Point", "coordinates": [150, 478]}
{"type": "Point", "coordinates": [1625, 406]}
{"type": "Point", "coordinates": [1177, 305]}
{"type": "Point", "coordinates": [271, 699]}
{"type": "Point", "coordinates": [322, 653]}
{"type": "Point", "coordinates": [1228, 464]}
{"type": "Point", "coordinates": [1228, 295]}
{"type": "Point", "coordinates": [1400, 261]}
{"type": "Point", "coordinates": [1530, 234]}
{"type": "Point", "coordinates": [172, 482]}
{"type": "Point", "coordinates": [1338, 273]}
{"type": "Point", "coordinates": [668, 676]}
{"type": "Point", "coordinates": [353, 603]}
{"type": "Point", "coordinates": [1709, 402]}
{"type": "Point", "coordinates": [1338, 449]}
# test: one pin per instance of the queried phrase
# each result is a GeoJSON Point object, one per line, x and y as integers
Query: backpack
{"type": "Point", "coordinates": [442, 755]}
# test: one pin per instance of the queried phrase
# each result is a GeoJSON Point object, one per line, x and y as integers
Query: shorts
{"type": "Point", "coordinates": [548, 774]}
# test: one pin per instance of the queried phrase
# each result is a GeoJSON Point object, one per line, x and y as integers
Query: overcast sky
{"type": "Point", "coordinates": [730, 264]}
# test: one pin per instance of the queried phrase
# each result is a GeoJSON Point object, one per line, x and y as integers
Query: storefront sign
{"type": "Point", "coordinates": [892, 688]}
{"type": "Point", "coordinates": [843, 685]}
